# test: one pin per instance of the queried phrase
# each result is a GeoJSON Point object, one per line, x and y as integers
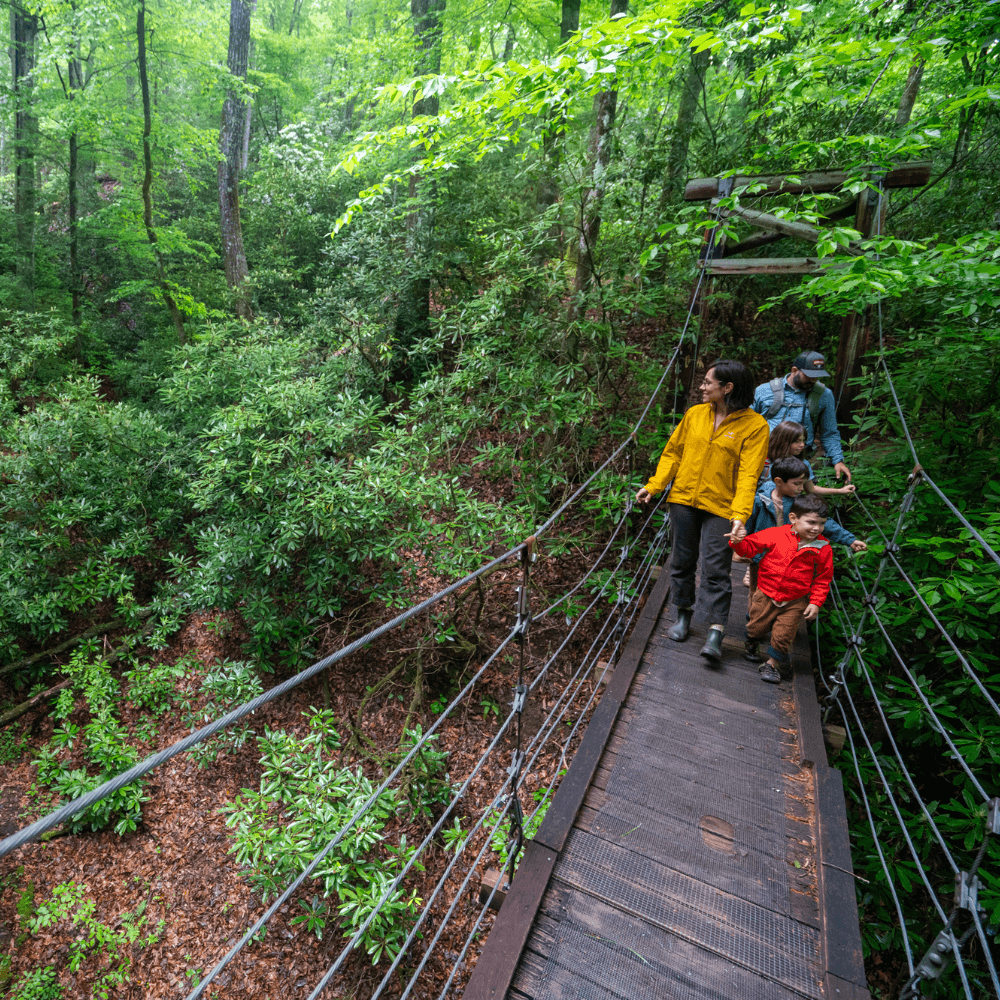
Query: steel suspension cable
{"type": "Point", "coordinates": [927, 705]}
{"type": "Point", "coordinates": [990, 551]}
{"type": "Point", "coordinates": [892, 799]}
{"type": "Point", "coordinates": [311, 867]}
{"type": "Point", "coordinates": [944, 632]}
{"type": "Point", "coordinates": [83, 802]}
{"type": "Point", "coordinates": [359, 933]}
{"type": "Point", "coordinates": [876, 841]}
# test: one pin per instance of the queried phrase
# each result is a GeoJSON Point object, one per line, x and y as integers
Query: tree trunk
{"type": "Point", "coordinates": [910, 91]}
{"type": "Point", "coordinates": [569, 23]}
{"type": "Point", "coordinates": [413, 317]}
{"type": "Point", "coordinates": [966, 116]}
{"type": "Point", "coordinates": [234, 124]}
{"type": "Point", "coordinates": [23, 32]}
{"type": "Point", "coordinates": [548, 186]}
{"type": "Point", "coordinates": [147, 179]}
{"type": "Point", "coordinates": [598, 161]}
{"type": "Point", "coordinates": [251, 62]}
{"type": "Point", "coordinates": [74, 73]}
{"type": "Point", "coordinates": [677, 159]}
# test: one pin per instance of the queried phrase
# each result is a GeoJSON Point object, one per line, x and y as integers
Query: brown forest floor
{"type": "Point", "coordinates": [177, 862]}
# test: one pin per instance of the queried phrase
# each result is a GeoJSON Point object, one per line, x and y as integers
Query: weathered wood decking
{"type": "Point", "coordinates": [698, 851]}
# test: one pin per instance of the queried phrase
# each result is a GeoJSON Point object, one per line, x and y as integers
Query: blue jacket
{"type": "Point", "coordinates": [763, 516]}
{"type": "Point", "coordinates": [795, 406]}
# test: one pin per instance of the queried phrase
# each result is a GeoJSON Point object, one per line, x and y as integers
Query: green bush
{"type": "Point", "coordinates": [304, 801]}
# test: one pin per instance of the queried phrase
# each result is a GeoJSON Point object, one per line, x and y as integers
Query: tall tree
{"type": "Point", "coordinates": [413, 316]}
{"type": "Point", "coordinates": [23, 35]}
{"type": "Point", "coordinates": [234, 122]}
{"type": "Point", "coordinates": [548, 188]}
{"type": "Point", "coordinates": [592, 200]}
{"type": "Point", "coordinates": [692, 88]}
{"type": "Point", "coordinates": [147, 177]}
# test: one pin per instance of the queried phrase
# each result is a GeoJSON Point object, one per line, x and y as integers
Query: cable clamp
{"type": "Point", "coordinates": [993, 818]}
{"type": "Point", "coordinates": [892, 548]}
{"type": "Point", "coordinates": [517, 762]}
{"type": "Point", "coordinates": [916, 475]}
{"type": "Point", "coordinates": [517, 815]}
{"type": "Point", "coordinates": [937, 958]}
{"type": "Point", "coordinates": [520, 694]}
{"type": "Point", "coordinates": [855, 642]}
{"type": "Point", "coordinates": [523, 611]}
{"type": "Point", "coordinates": [869, 601]}
{"type": "Point", "coordinates": [966, 892]}
{"type": "Point", "coordinates": [624, 554]}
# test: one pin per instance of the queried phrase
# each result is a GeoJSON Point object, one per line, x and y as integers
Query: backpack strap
{"type": "Point", "coordinates": [778, 390]}
{"type": "Point", "coordinates": [815, 395]}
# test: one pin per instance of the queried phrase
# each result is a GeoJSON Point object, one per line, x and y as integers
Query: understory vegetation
{"type": "Point", "coordinates": [307, 313]}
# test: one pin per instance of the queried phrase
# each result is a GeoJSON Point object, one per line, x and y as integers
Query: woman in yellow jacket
{"type": "Point", "coordinates": [713, 459]}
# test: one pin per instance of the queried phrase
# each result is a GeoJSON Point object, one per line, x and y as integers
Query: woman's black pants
{"type": "Point", "coordinates": [693, 530]}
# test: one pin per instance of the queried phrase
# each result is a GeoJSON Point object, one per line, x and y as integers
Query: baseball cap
{"type": "Point", "coordinates": [811, 363]}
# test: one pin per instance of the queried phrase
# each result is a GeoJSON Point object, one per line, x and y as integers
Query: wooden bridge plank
{"type": "Point", "coordinates": [559, 819]}
{"type": "Point", "coordinates": [759, 917]}
{"type": "Point", "coordinates": [672, 965]}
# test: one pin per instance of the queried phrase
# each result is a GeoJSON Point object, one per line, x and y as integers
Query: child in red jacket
{"type": "Point", "coordinates": [792, 581]}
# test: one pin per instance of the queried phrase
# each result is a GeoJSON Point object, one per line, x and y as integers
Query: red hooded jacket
{"type": "Point", "coordinates": [789, 570]}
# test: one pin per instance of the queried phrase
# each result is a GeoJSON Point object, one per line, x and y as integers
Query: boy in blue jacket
{"type": "Point", "coordinates": [773, 503]}
{"type": "Point", "coordinates": [774, 500]}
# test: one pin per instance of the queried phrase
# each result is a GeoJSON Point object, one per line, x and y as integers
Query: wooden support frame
{"type": "Point", "coordinates": [770, 265]}
{"type": "Point", "coordinates": [856, 328]}
{"type": "Point", "coordinates": [855, 332]}
{"type": "Point", "coordinates": [914, 174]}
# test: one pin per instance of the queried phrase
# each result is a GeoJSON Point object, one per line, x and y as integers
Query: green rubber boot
{"type": "Point", "coordinates": [712, 650]}
{"type": "Point", "coordinates": [679, 630]}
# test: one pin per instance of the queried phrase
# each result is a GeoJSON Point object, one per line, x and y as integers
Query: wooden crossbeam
{"type": "Point", "coordinates": [751, 243]}
{"type": "Point", "coordinates": [756, 240]}
{"type": "Point", "coordinates": [770, 265]}
{"type": "Point", "coordinates": [915, 174]}
{"type": "Point", "coordinates": [784, 227]}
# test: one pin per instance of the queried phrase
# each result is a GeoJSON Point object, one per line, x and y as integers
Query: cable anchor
{"type": "Point", "coordinates": [516, 763]}
{"type": "Point", "coordinates": [936, 959]}
{"type": "Point", "coordinates": [993, 818]}
{"type": "Point", "coordinates": [520, 695]}
{"type": "Point", "coordinates": [966, 892]}
{"type": "Point", "coordinates": [523, 611]}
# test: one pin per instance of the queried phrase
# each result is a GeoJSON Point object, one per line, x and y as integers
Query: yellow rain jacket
{"type": "Point", "coordinates": [714, 470]}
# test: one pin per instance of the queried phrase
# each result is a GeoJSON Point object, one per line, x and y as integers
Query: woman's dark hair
{"type": "Point", "coordinates": [809, 503]}
{"type": "Point", "coordinates": [788, 467]}
{"type": "Point", "coordinates": [741, 395]}
{"type": "Point", "coordinates": [782, 438]}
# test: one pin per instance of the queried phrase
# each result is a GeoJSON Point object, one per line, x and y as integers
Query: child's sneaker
{"type": "Point", "coordinates": [746, 578]}
{"type": "Point", "coordinates": [750, 651]}
{"type": "Point", "coordinates": [768, 673]}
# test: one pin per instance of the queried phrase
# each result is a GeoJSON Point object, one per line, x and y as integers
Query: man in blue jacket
{"type": "Point", "coordinates": [800, 396]}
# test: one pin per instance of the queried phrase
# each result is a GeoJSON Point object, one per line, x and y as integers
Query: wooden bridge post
{"type": "Point", "coordinates": [856, 327]}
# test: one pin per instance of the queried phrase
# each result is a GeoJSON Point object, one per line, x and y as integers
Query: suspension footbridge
{"type": "Point", "coordinates": [697, 845]}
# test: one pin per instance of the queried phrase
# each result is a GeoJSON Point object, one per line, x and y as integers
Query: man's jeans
{"type": "Point", "coordinates": [693, 530]}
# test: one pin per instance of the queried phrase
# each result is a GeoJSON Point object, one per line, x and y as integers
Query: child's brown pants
{"type": "Point", "coordinates": [782, 623]}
